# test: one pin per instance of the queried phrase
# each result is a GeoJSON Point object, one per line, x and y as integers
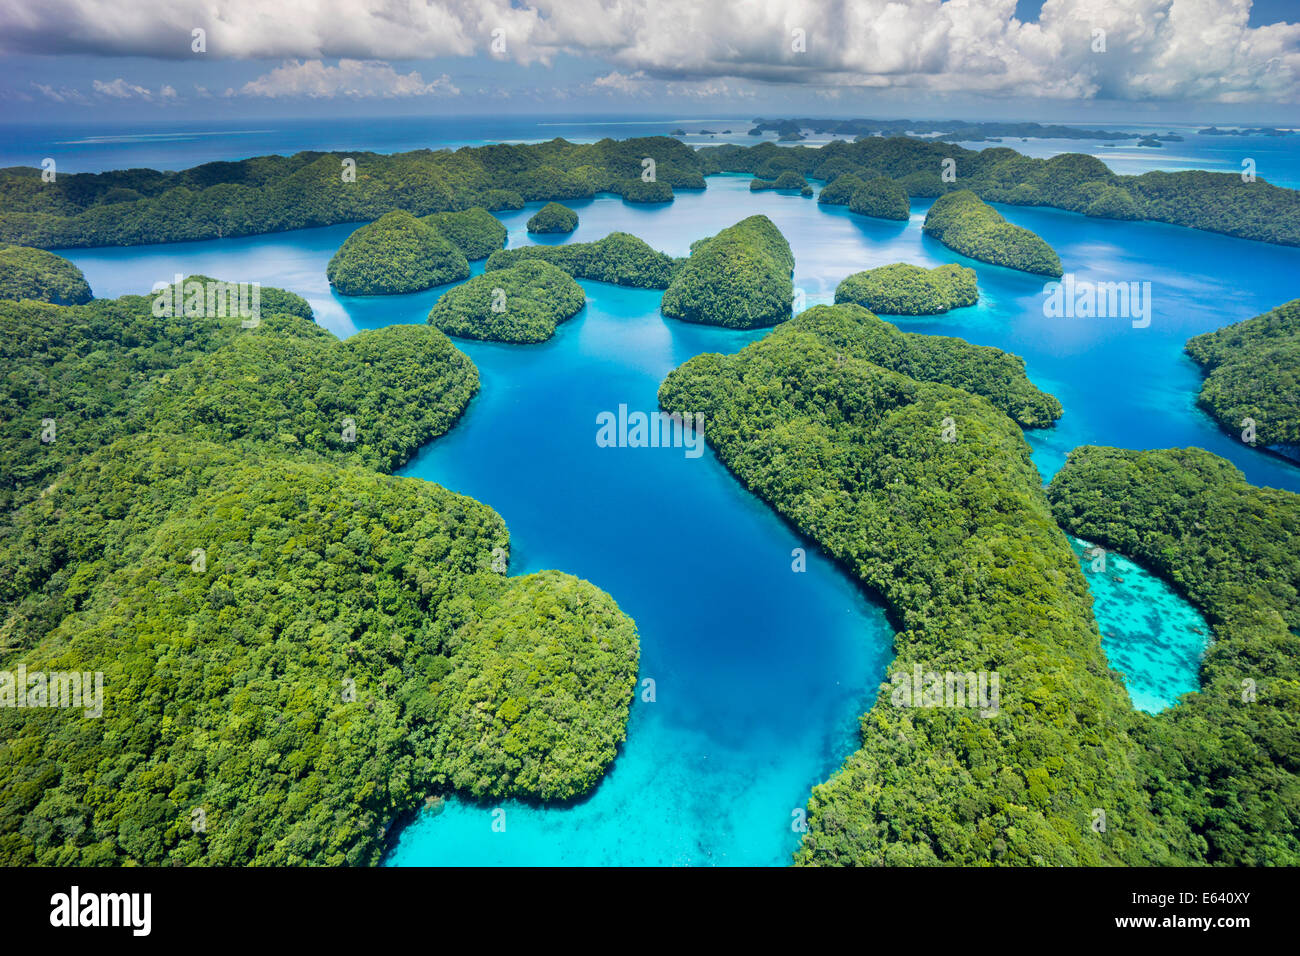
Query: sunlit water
{"type": "Point", "coordinates": [759, 672]}
{"type": "Point", "coordinates": [1150, 634]}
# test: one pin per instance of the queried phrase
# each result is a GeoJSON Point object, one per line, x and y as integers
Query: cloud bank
{"type": "Point", "coordinates": [1145, 50]}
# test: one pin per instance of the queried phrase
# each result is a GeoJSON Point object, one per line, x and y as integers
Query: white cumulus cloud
{"type": "Point", "coordinates": [356, 79]}
{"type": "Point", "coordinates": [122, 90]}
{"type": "Point", "coordinates": [628, 84]}
{"type": "Point", "coordinates": [1153, 49]}
{"type": "Point", "coordinates": [62, 94]}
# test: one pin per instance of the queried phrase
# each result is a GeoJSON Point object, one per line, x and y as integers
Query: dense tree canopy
{"type": "Point", "coordinates": [275, 193]}
{"type": "Point", "coordinates": [1223, 767]}
{"type": "Point", "coordinates": [739, 278]}
{"type": "Point", "coordinates": [1217, 202]}
{"type": "Point", "coordinates": [1253, 371]}
{"type": "Point", "coordinates": [296, 649]}
{"type": "Point", "coordinates": [77, 367]}
{"type": "Point", "coordinates": [927, 494]}
{"type": "Point", "coordinates": [980, 369]}
{"type": "Point", "coordinates": [644, 191]}
{"type": "Point", "coordinates": [840, 190]}
{"type": "Point", "coordinates": [349, 643]}
{"type": "Point", "coordinates": [1113, 202]}
{"type": "Point", "coordinates": [882, 198]}
{"type": "Point", "coordinates": [956, 536]}
{"type": "Point", "coordinates": [523, 304]}
{"type": "Point", "coordinates": [396, 253]}
{"type": "Point", "coordinates": [475, 232]}
{"type": "Point", "coordinates": [789, 180]}
{"type": "Point", "coordinates": [42, 276]}
{"type": "Point", "coordinates": [502, 199]}
{"type": "Point", "coordinates": [298, 389]}
{"type": "Point", "coordinates": [963, 222]}
{"type": "Point", "coordinates": [619, 258]}
{"type": "Point", "coordinates": [904, 289]}
{"type": "Point", "coordinates": [553, 218]}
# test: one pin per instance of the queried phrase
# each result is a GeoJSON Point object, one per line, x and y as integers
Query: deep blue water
{"type": "Point", "coordinates": [760, 672]}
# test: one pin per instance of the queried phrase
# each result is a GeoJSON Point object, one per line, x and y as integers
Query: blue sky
{"type": "Point", "coordinates": [1059, 60]}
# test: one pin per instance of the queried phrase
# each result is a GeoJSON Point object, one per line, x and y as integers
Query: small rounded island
{"type": "Point", "coordinates": [553, 218]}
{"type": "Point", "coordinates": [395, 254]}
{"type": "Point", "coordinates": [520, 304]}
{"type": "Point", "coordinates": [905, 289]}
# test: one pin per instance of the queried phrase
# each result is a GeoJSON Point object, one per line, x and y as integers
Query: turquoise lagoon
{"type": "Point", "coordinates": [1150, 634]}
{"type": "Point", "coordinates": [760, 672]}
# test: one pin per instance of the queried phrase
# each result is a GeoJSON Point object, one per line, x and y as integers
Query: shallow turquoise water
{"type": "Point", "coordinates": [1150, 634]}
{"type": "Point", "coordinates": [760, 672]}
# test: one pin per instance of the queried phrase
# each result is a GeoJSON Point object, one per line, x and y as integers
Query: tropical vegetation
{"type": "Point", "coordinates": [839, 190]}
{"type": "Point", "coordinates": [882, 198]}
{"type": "Point", "coordinates": [904, 289]}
{"type": "Point", "coordinates": [1252, 372]}
{"type": "Point", "coordinates": [275, 193]}
{"type": "Point", "coordinates": [522, 303]}
{"type": "Point", "coordinates": [619, 258]}
{"type": "Point", "coordinates": [739, 278]}
{"type": "Point", "coordinates": [981, 370]}
{"type": "Point", "coordinates": [475, 232]}
{"type": "Point", "coordinates": [788, 179]}
{"type": "Point", "coordinates": [1245, 206]}
{"type": "Point", "coordinates": [36, 274]}
{"type": "Point", "coordinates": [296, 648]}
{"type": "Point", "coordinates": [396, 253]}
{"type": "Point", "coordinates": [553, 218]}
{"type": "Point", "coordinates": [1223, 766]}
{"type": "Point", "coordinates": [965, 223]}
{"type": "Point", "coordinates": [927, 494]}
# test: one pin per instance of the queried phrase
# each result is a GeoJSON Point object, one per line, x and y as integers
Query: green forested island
{"type": "Point", "coordinates": [965, 223]}
{"type": "Point", "coordinates": [619, 258]}
{"type": "Point", "coordinates": [788, 180]}
{"type": "Point", "coordinates": [297, 648]}
{"type": "Point", "coordinates": [1252, 372]}
{"type": "Point", "coordinates": [553, 218]}
{"type": "Point", "coordinates": [981, 370]}
{"type": "Point", "coordinates": [42, 276]}
{"type": "Point", "coordinates": [651, 191]}
{"type": "Point", "coordinates": [840, 189]}
{"type": "Point", "coordinates": [905, 289]}
{"type": "Point", "coordinates": [396, 253]}
{"type": "Point", "coordinates": [522, 303]}
{"type": "Point", "coordinates": [880, 197]}
{"type": "Point", "coordinates": [80, 366]}
{"type": "Point", "coordinates": [275, 193]}
{"type": "Point", "coordinates": [1216, 202]}
{"type": "Point", "coordinates": [947, 129]}
{"type": "Point", "coordinates": [1221, 766]}
{"type": "Point", "coordinates": [300, 649]}
{"type": "Point", "coordinates": [475, 232]}
{"type": "Point", "coordinates": [927, 495]}
{"type": "Point", "coordinates": [739, 278]}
